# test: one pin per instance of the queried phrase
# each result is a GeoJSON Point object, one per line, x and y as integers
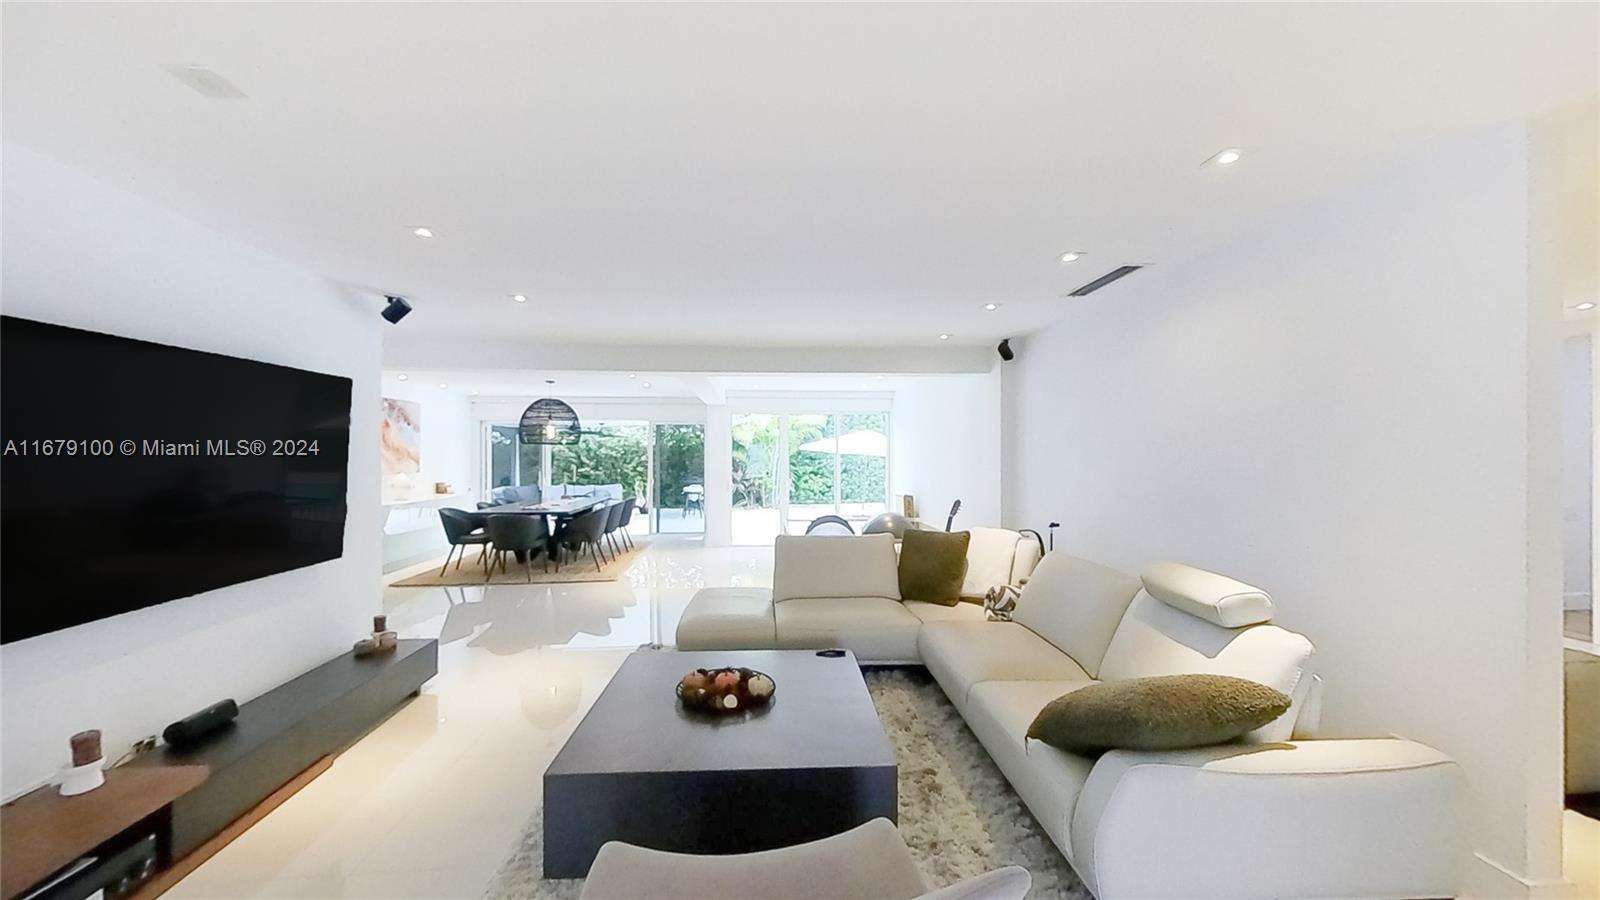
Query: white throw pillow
{"type": "Point", "coordinates": [835, 566]}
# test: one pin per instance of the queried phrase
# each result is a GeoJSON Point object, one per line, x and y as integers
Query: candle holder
{"type": "Point", "coordinates": [87, 771]}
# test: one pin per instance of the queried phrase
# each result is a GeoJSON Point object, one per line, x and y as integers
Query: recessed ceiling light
{"type": "Point", "coordinates": [991, 306]}
{"type": "Point", "coordinates": [944, 337]}
{"type": "Point", "coordinates": [1585, 306]}
{"type": "Point", "coordinates": [422, 232]}
{"type": "Point", "coordinates": [443, 385]}
{"type": "Point", "coordinates": [633, 374]}
{"type": "Point", "coordinates": [879, 377]}
{"type": "Point", "coordinates": [1071, 256]}
{"type": "Point", "coordinates": [474, 393]}
{"type": "Point", "coordinates": [520, 298]}
{"type": "Point", "coordinates": [1227, 156]}
{"type": "Point", "coordinates": [646, 385]}
{"type": "Point", "coordinates": [403, 376]}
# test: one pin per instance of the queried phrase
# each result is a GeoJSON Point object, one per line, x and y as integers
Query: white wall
{"type": "Point", "coordinates": [1355, 410]}
{"type": "Point", "coordinates": [80, 253]}
{"type": "Point", "coordinates": [944, 445]}
{"type": "Point", "coordinates": [449, 438]}
{"type": "Point", "coordinates": [450, 449]}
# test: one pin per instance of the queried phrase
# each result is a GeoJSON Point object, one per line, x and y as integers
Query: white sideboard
{"type": "Point", "coordinates": [411, 529]}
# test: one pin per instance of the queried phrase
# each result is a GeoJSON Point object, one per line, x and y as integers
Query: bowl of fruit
{"type": "Point", "coordinates": [726, 691]}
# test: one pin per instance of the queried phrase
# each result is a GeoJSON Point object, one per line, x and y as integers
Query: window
{"type": "Point", "coordinates": [788, 469]}
{"type": "Point", "coordinates": [608, 453]}
{"type": "Point", "coordinates": [510, 461]}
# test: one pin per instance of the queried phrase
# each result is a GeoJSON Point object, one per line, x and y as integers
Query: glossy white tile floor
{"type": "Point", "coordinates": [429, 803]}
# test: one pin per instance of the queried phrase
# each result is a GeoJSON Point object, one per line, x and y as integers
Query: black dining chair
{"type": "Point", "coordinates": [628, 503]}
{"type": "Point", "coordinates": [517, 533]}
{"type": "Point", "coordinates": [463, 529]}
{"type": "Point", "coordinates": [613, 522]}
{"type": "Point", "coordinates": [580, 531]}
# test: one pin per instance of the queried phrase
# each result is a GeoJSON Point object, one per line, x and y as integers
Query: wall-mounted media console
{"type": "Point", "coordinates": [159, 817]}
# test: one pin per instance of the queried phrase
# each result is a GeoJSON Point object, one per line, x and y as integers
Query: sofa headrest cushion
{"type": "Point", "coordinates": [807, 566]}
{"type": "Point", "coordinates": [1215, 598]}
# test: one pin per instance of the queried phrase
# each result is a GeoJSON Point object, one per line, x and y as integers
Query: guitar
{"type": "Point", "coordinates": [951, 519]}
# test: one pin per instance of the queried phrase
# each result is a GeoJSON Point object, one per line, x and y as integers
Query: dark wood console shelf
{"type": "Point", "coordinates": [43, 831]}
{"type": "Point", "coordinates": [186, 799]}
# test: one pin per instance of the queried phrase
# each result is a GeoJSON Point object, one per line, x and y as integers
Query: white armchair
{"type": "Point", "coordinates": [868, 862]}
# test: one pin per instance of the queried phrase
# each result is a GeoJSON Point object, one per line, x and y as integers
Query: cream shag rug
{"type": "Point", "coordinates": [957, 812]}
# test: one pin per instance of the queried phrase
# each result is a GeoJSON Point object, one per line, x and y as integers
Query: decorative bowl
{"type": "Point", "coordinates": [725, 691]}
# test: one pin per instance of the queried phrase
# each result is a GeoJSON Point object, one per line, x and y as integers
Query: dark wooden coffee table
{"type": "Point", "coordinates": [641, 769]}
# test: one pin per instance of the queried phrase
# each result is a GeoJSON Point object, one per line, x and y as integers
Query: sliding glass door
{"type": "Point", "coordinates": [607, 453]}
{"type": "Point", "coordinates": [863, 463]}
{"type": "Point", "coordinates": [789, 469]}
{"type": "Point", "coordinates": [662, 464]}
{"type": "Point", "coordinates": [678, 489]}
{"type": "Point", "coordinates": [510, 462]}
{"type": "Point", "coordinates": [813, 475]}
{"type": "Point", "coordinates": [756, 440]}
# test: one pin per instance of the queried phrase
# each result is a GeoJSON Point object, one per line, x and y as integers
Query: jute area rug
{"type": "Point", "coordinates": [573, 569]}
{"type": "Point", "coordinates": [957, 813]}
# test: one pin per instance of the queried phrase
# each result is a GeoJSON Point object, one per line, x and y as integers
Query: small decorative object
{"type": "Point", "coordinates": [88, 762]}
{"type": "Point", "coordinates": [382, 640]}
{"type": "Point", "coordinates": [726, 690]}
{"type": "Point", "coordinates": [549, 421]}
{"type": "Point", "coordinates": [908, 506]}
{"type": "Point", "coordinates": [441, 487]}
{"type": "Point", "coordinates": [1000, 602]}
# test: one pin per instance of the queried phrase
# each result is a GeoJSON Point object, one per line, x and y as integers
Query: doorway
{"type": "Point", "coordinates": [791, 468]}
{"type": "Point", "coordinates": [677, 479]}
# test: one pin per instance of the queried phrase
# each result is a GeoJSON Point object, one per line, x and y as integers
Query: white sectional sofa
{"type": "Point", "coordinates": [1278, 815]}
{"type": "Point", "coordinates": [844, 591]}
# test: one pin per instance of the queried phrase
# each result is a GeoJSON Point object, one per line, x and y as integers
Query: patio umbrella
{"type": "Point", "coordinates": [851, 443]}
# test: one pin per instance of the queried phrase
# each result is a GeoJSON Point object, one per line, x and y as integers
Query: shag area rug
{"type": "Point", "coordinates": [957, 813]}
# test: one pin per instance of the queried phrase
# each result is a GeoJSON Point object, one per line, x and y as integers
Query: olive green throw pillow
{"type": "Point", "coordinates": [932, 566]}
{"type": "Point", "coordinates": [1166, 712]}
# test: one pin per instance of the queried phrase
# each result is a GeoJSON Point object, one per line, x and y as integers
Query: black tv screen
{"type": "Point", "coordinates": [134, 473]}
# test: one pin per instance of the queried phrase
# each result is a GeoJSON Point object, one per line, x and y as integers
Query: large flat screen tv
{"type": "Point", "coordinates": [134, 473]}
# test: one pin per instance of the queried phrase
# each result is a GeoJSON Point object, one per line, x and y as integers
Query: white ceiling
{"type": "Point", "coordinates": [521, 384]}
{"type": "Point", "coordinates": [792, 175]}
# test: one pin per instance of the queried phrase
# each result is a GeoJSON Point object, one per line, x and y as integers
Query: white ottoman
{"type": "Point", "coordinates": [728, 618]}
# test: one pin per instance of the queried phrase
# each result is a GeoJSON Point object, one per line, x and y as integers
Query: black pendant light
{"type": "Point", "coordinates": [550, 421]}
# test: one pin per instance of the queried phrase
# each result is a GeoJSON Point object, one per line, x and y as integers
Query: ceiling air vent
{"type": "Point", "coordinates": [1104, 280]}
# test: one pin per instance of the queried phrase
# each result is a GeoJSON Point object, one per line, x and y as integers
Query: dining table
{"type": "Point", "coordinates": [559, 507]}
{"type": "Point", "coordinates": [554, 510]}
